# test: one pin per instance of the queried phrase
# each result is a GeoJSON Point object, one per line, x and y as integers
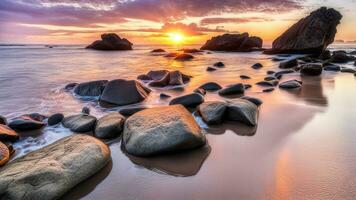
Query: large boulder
{"type": "Point", "coordinates": [7, 134]}
{"type": "Point", "coordinates": [233, 42]}
{"type": "Point", "coordinates": [91, 88]}
{"type": "Point", "coordinates": [55, 119]}
{"type": "Point", "coordinates": [124, 92]}
{"type": "Point", "coordinates": [212, 112]}
{"type": "Point", "coordinates": [311, 34]}
{"type": "Point", "coordinates": [80, 123]}
{"type": "Point", "coordinates": [50, 172]}
{"type": "Point", "coordinates": [4, 156]}
{"type": "Point", "coordinates": [111, 41]}
{"type": "Point", "coordinates": [162, 130]}
{"type": "Point", "coordinates": [109, 126]}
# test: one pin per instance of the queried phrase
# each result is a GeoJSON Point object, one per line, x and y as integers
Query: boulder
{"type": "Point", "coordinates": [3, 120]}
{"type": "Point", "coordinates": [219, 64]}
{"type": "Point", "coordinates": [163, 78]}
{"type": "Point", "coordinates": [253, 100]}
{"type": "Point", "coordinates": [7, 134]}
{"type": "Point", "coordinates": [311, 69]}
{"type": "Point", "coordinates": [291, 84]}
{"type": "Point", "coordinates": [311, 34]}
{"type": "Point", "coordinates": [244, 77]}
{"type": "Point", "coordinates": [268, 83]}
{"type": "Point", "coordinates": [26, 123]}
{"type": "Point", "coordinates": [233, 89]}
{"type": "Point", "coordinates": [189, 100]}
{"type": "Point", "coordinates": [55, 119]}
{"type": "Point", "coordinates": [183, 57]}
{"type": "Point", "coordinates": [109, 126]}
{"type": "Point", "coordinates": [162, 130]}
{"type": "Point", "coordinates": [210, 86]}
{"type": "Point", "coordinates": [158, 51]}
{"type": "Point", "coordinates": [257, 66]}
{"type": "Point", "coordinates": [331, 67]}
{"type": "Point", "coordinates": [163, 82]}
{"type": "Point", "coordinates": [130, 111]}
{"type": "Point", "coordinates": [110, 42]}
{"type": "Point", "coordinates": [340, 57]}
{"type": "Point", "coordinates": [80, 123]}
{"type": "Point", "coordinates": [212, 112]}
{"type": "Point", "coordinates": [124, 92]}
{"type": "Point", "coordinates": [233, 42]}
{"type": "Point", "coordinates": [50, 172]}
{"type": "Point", "coordinates": [92, 88]}
{"type": "Point", "coordinates": [288, 64]}
{"type": "Point", "coordinates": [243, 111]}
{"type": "Point", "coordinates": [347, 70]}
{"type": "Point", "coordinates": [4, 156]}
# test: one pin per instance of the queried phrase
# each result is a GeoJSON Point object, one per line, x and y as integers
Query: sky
{"type": "Point", "coordinates": [158, 21]}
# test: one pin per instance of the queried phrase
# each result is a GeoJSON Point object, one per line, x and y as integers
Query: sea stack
{"type": "Point", "coordinates": [310, 35]}
{"type": "Point", "coordinates": [111, 42]}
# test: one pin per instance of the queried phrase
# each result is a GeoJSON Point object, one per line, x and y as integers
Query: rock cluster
{"type": "Point", "coordinates": [163, 78]}
{"type": "Point", "coordinates": [110, 42]}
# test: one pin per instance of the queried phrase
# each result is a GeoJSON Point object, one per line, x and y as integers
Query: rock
{"type": "Point", "coordinates": [247, 86]}
{"type": "Point", "coordinates": [233, 42]}
{"type": "Point", "coordinates": [306, 59]}
{"type": "Point", "coordinates": [86, 110]}
{"type": "Point", "coordinates": [270, 72]}
{"type": "Point", "coordinates": [92, 88]}
{"type": "Point", "coordinates": [157, 74]}
{"type": "Point", "coordinates": [7, 134]}
{"type": "Point", "coordinates": [243, 111]}
{"type": "Point", "coordinates": [50, 172]}
{"type": "Point", "coordinates": [124, 92]}
{"type": "Point", "coordinates": [288, 64]}
{"type": "Point", "coordinates": [144, 77]}
{"type": "Point", "coordinates": [210, 69]}
{"type": "Point", "coordinates": [279, 73]}
{"type": "Point", "coordinates": [4, 156]}
{"type": "Point", "coordinates": [200, 91]}
{"type": "Point", "coordinates": [158, 51]}
{"type": "Point", "coordinates": [164, 96]}
{"type": "Point", "coordinates": [310, 35]}
{"type": "Point", "coordinates": [109, 126]}
{"type": "Point", "coordinates": [160, 83]}
{"type": "Point", "coordinates": [340, 57]}
{"type": "Point", "coordinates": [353, 53]}
{"type": "Point", "coordinates": [191, 50]}
{"type": "Point", "coordinates": [26, 123]}
{"type": "Point", "coordinates": [347, 70]}
{"type": "Point", "coordinates": [355, 63]}
{"type": "Point", "coordinates": [183, 57]}
{"type": "Point", "coordinates": [268, 83]}
{"type": "Point", "coordinates": [130, 111]}
{"type": "Point", "coordinates": [70, 86]}
{"type": "Point", "coordinates": [219, 64]}
{"type": "Point", "coordinates": [189, 100]}
{"type": "Point", "coordinates": [268, 90]}
{"type": "Point", "coordinates": [109, 42]}
{"type": "Point", "coordinates": [257, 66]}
{"type": "Point", "coordinates": [3, 120]}
{"type": "Point", "coordinates": [325, 55]}
{"type": "Point", "coordinates": [163, 78]}
{"type": "Point", "coordinates": [211, 86]}
{"type": "Point", "coordinates": [36, 116]}
{"type": "Point", "coordinates": [80, 123]}
{"type": "Point", "coordinates": [311, 69]}
{"type": "Point", "coordinates": [212, 112]}
{"type": "Point", "coordinates": [253, 100]}
{"type": "Point", "coordinates": [291, 84]}
{"type": "Point", "coordinates": [270, 78]}
{"type": "Point", "coordinates": [55, 119]}
{"type": "Point", "coordinates": [275, 59]}
{"type": "Point", "coordinates": [332, 67]}
{"type": "Point", "coordinates": [162, 130]}
{"type": "Point", "coordinates": [245, 77]}
{"type": "Point", "coordinates": [233, 89]}
{"type": "Point", "coordinates": [175, 78]}
{"type": "Point", "coordinates": [171, 55]}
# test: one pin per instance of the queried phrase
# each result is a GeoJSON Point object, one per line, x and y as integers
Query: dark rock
{"type": "Point", "coordinates": [92, 88]}
{"type": "Point", "coordinates": [288, 64]}
{"type": "Point", "coordinates": [4, 154]}
{"type": "Point", "coordinates": [111, 41]}
{"type": "Point", "coordinates": [210, 86]}
{"type": "Point", "coordinates": [124, 92]}
{"type": "Point", "coordinates": [210, 69]}
{"type": "Point", "coordinates": [332, 67]}
{"type": "Point", "coordinates": [270, 78]}
{"type": "Point", "coordinates": [212, 112]}
{"type": "Point", "coordinates": [164, 96]}
{"type": "Point", "coordinates": [257, 66]}
{"type": "Point", "coordinates": [276, 59]}
{"type": "Point", "coordinates": [232, 90]}
{"type": "Point", "coordinates": [347, 70]}
{"type": "Point", "coordinates": [243, 111]}
{"type": "Point", "coordinates": [311, 69]}
{"type": "Point", "coordinates": [80, 123]}
{"type": "Point", "coordinates": [158, 51]}
{"type": "Point", "coordinates": [160, 83]}
{"type": "Point", "coordinates": [191, 50]}
{"type": "Point", "coordinates": [189, 100]}
{"type": "Point", "coordinates": [171, 55]}
{"type": "Point", "coordinates": [355, 63]}
{"type": "Point", "coordinates": [26, 123]}
{"type": "Point", "coordinates": [325, 55]}
{"type": "Point", "coordinates": [162, 130]}
{"type": "Point", "coordinates": [253, 100]}
{"type": "Point", "coordinates": [55, 119]}
{"type": "Point", "coordinates": [270, 72]}
{"type": "Point", "coordinates": [86, 110]}
{"type": "Point", "coordinates": [247, 86]}
{"type": "Point", "coordinates": [163, 78]}
{"type": "Point", "coordinates": [36, 116]}
{"type": "Point", "coordinates": [233, 42]}
{"type": "Point", "coordinates": [200, 91]}
{"type": "Point", "coordinates": [268, 90]}
{"type": "Point", "coordinates": [175, 78]}
{"type": "Point", "coordinates": [70, 86]}
{"type": "Point", "coordinates": [7, 134]}
{"type": "Point", "coordinates": [353, 53]}
{"type": "Point", "coordinates": [277, 74]}
{"type": "Point", "coordinates": [340, 57]}
{"type": "Point", "coordinates": [157, 74]}
{"type": "Point", "coordinates": [3, 120]}
{"type": "Point", "coordinates": [144, 77]}
{"type": "Point", "coordinates": [109, 126]}
{"type": "Point", "coordinates": [184, 57]}
{"type": "Point", "coordinates": [219, 64]}
{"type": "Point", "coordinates": [245, 77]}
{"type": "Point", "coordinates": [291, 84]}
{"type": "Point", "coordinates": [130, 111]}
{"type": "Point", "coordinates": [306, 59]}
{"type": "Point", "coordinates": [310, 35]}
{"type": "Point", "coordinates": [268, 83]}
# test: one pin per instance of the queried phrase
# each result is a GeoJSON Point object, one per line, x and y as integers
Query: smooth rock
{"type": "Point", "coordinates": [268, 83]}
{"type": "Point", "coordinates": [7, 134]}
{"type": "Point", "coordinates": [270, 78]}
{"type": "Point", "coordinates": [189, 100]}
{"type": "Point", "coordinates": [162, 130]}
{"type": "Point", "coordinates": [325, 55]}
{"type": "Point", "coordinates": [130, 111]}
{"type": "Point", "coordinates": [257, 66]}
{"type": "Point", "coordinates": [175, 78]}
{"type": "Point", "coordinates": [164, 96]}
{"type": "Point", "coordinates": [26, 123]}
{"type": "Point", "coordinates": [244, 77]}
{"type": "Point", "coordinates": [340, 57]}
{"type": "Point", "coordinates": [91, 88]}
{"type": "Point", "coordinates": [232, 89]}
{"type": "Point", "coordinates": [210, 86]}
{"type": "Point", "coordinates": [219, 64]}
{"type": "Point", "coordinates": [212, 112]}
{"type": "Point", "coordinates": [50, 172]}
{"type": "Point", "coordinates": [158, 51]}
{"type": "Point", "coordinates": [347, 70]}
{"type": "Point", "coordinates": [288, 64]}
{"type": "Point", "coordinates": [55, 119]}
{"type": "Point", "coordinates": [110, 42]}
{"type": "Point", "coordinates": [268, 90]}
{"type": "Point", "coordinates": [86, 110]}
{"type": "Point", "coordinates": [270, 72]}
{"type": "Point", "coordinates": [243, 111]}
{"type": "Point", "coordinates": [211, 69]}
{"type": "Point", "coordinates": [332, 67]}
{"type": "Point", "coordinates": [4, 157]}
{"type": "Point", "coordinates": [311, 69]}
{"type": "Point", "coordinates": [109, 126]}
{"type": "Point", "coordinates": [184, 57]}
{"type": "Point", "coordinates": [70, 86]}
{"type": "Point", "coordinates": [3, 120]}
{"type": "Point", "coordinates": [291, 84]}
{"type": "Point", "coordinates": [80, 123]}
{"type": "Point", "coordinates": [253, 100]}
{"type": "Point", "coordinates": [233, 42]}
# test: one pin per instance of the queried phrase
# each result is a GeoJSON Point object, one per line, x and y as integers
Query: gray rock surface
{"type": "Point", "coordinates": [212, 112]}
{"type": "Point", "coordinates": [189, 100]}
{"type": "Point", "coordinates": [243, 111]}
{"type": "Point", "coordinates": [80, 123]}
{"type": "Point", "coordinates": [91, 88]}
{"type": "Point", "coordinates": [109, 126]}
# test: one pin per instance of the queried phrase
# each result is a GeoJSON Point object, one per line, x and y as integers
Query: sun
{"type": "Point", "coordinates": [176, 37]}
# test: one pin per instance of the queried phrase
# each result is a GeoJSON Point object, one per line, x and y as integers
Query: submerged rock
{"type": "Point", "coordinates": [26, 123]}
{"type": "Point", "coordinates": [191, 50]}
{"type": "Point", "coordinates": [4, 156]}
{"type": "Point", "coordinates": [55, 119]}
{"type": "Point", "coordinates": [291, 84]}
{"type": "Point", "coordinates": [162, 130]}
{"type": "Point", "coordinates": [210, 69]}
{"type": "Point", "coordinates": [257, 66]}
{"type": "Point", "coordinates": [50, 172]}
{"type": "Point", "coordinates": [309, 35]}
{"type": "Point", "coordinates": [210, 86]}
{"type": "Point", "coordinates": [80, 123]}
{"type": "Point", "coordinates": [311, 69]}
{"type": "Point", "coordinates": [243, 111]}
{"type": "Point", "coordinates": [109, 42]}
{"type": "Point", "coordinates": [233, 89]}
{"type": "Point", "coordinates": [7, 134]}
{"type": "Point", "coordinates": [219, 64]}
{"type": "Point", "coordinates": [253, 100]}
{"type": "Point", "coordinates": [183, 57]}
{"type": "Point", "coordinates": [158, 51]}
{"type": "Point", "coordinates": [109, 126]}
{"type": "Point", "coordinates": [340, 57]}
{"type": "Point", "coordinates": [164, 96]}
{"type": "Point", "coordinates": [288, 64]}
{"type": "Point", "coordinates": [122, 92]}
{"type": "Point", "coordinates": [91, 88]}
{"type": "Point", "coordinates": [332, 67]}
{"type": "Point", "coordinates": [268, 90]}
{"type": "Point", "coordinates": [233, 42]}
{"type": "Point", "coordinates": [244, 77]}
{"type": "Point", "coordinates": [212, 112]}
{"type": "Point", "coordinates": [189, 100]}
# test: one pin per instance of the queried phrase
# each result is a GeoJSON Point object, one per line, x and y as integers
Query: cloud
{"type": "Point", "coordinates": [222, 20]}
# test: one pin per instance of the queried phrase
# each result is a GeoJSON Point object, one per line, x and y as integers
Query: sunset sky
{"type": "Point", "coordinates": [154, 21]}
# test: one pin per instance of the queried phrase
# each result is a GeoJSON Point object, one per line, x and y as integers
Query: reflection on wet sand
{"type": "Point", "coordinates": [187, 163]}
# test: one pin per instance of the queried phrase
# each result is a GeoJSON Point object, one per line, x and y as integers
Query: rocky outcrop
{"type": "Point", "coordinates": [50, 172]}
{"type": "Point", "coordinates": [109, 126]}
{"type": "Point", "coordinates": [110, 42]}
{"type": "Point", "coordinates": [311, 34]}
{"type": "Point", "coordinates": [162, 130]}
{"type": "Point", "coordinates": [122, 92]}
{"type": "Point", "coordinates": [233, 42]}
